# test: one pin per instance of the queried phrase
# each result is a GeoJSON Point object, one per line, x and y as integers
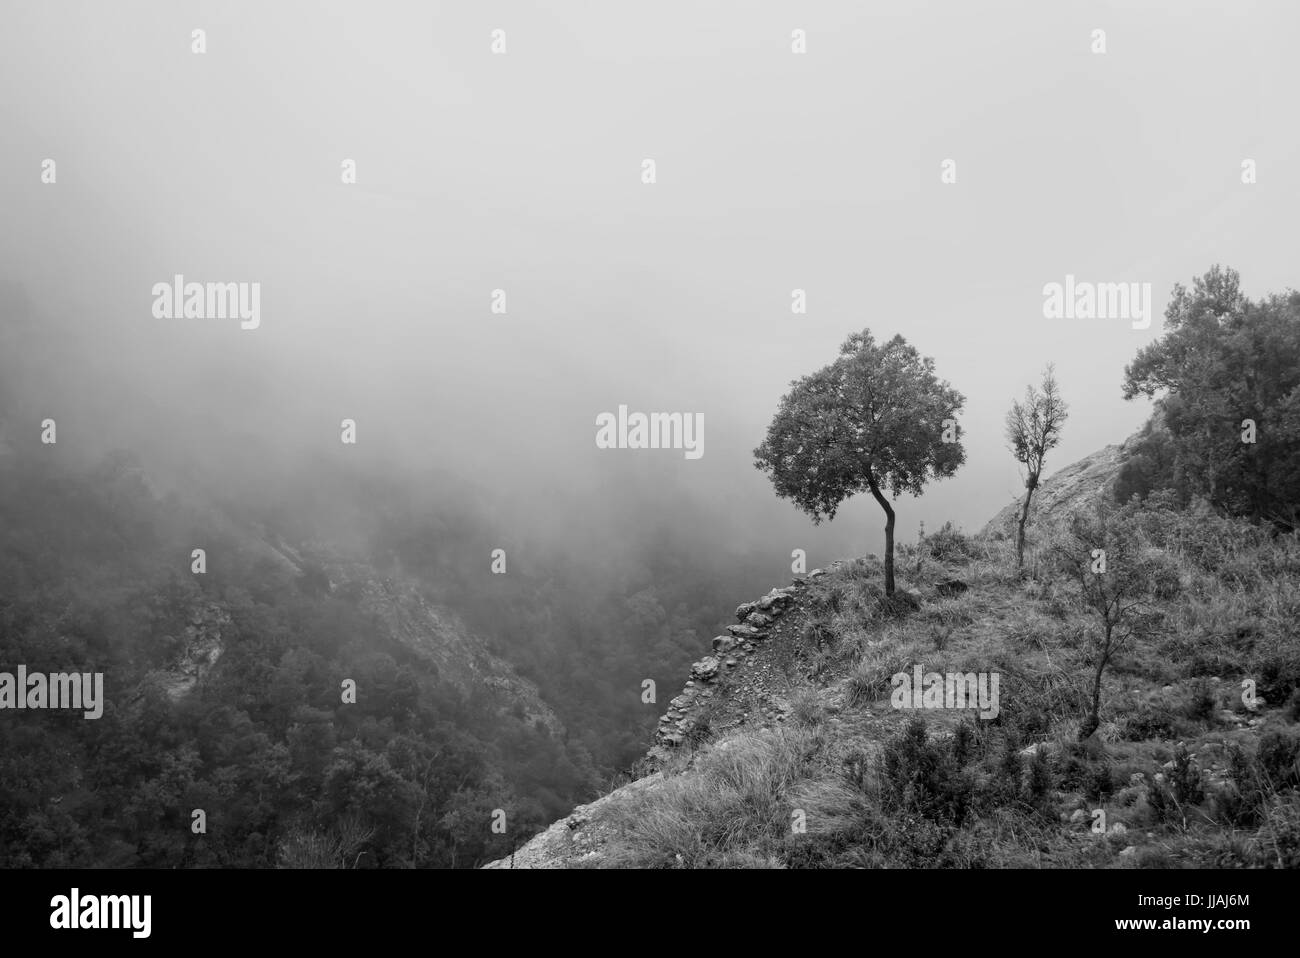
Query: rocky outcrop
{"type": "Point", "coordinates": [439, 637]}
{"type": "Point", "coordinates": [202, 643]}
{"type": "Point", "coordinates": [729, 652]}
{"type": "Point", "coordinates": [460, 656]}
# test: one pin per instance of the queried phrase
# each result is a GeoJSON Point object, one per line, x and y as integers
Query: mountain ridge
{"type": "Point", "coordinates": [751, 651]}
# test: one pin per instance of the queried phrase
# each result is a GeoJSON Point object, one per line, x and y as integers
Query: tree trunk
{"type": "Point", "coordinates": [1030, 485]}
{"type": "Point", "coordinates": [889, 534]}
{"type": "Point", "coordinates": [1094, 718]}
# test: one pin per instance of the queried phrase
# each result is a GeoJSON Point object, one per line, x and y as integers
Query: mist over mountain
{"type": "Point", "coordinates": [312, 328]}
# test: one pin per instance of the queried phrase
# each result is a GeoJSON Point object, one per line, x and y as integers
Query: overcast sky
{"type": "Point", "coordinates": [523, 171]}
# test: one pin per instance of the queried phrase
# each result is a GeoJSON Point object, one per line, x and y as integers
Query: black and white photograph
{"type": "Point", "coordinates": [849, 437]}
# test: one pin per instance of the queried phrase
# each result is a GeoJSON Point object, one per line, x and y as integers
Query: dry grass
{"type": "Point", "coordinates": [1228, 603]}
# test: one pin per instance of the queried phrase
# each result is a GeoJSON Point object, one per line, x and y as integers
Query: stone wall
{"type": "Point", "coordinates": [729, 652]}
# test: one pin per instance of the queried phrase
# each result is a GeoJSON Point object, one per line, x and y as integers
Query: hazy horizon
{"type": "Point", "coordinates": [522, 172]}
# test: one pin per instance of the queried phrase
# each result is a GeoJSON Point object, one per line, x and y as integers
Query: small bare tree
{"type": "Point", "coordinates": [1034, 427]}
{"type": "Point", "coordinates": [1102, 552]}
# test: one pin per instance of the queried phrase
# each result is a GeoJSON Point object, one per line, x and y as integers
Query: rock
{"type": "Point", "coordinates": [1078, 816]}
{"type": "Point", "coordinates": [744, 609]}
{"type": "Point", "coordinates": [1129, 795]}
{"type": "Point", "coordinates": [1049, 748]}
{"type": "Point", "coordinates": [706, 668]}
{"type": "Point", "coordinates": [758, 620]}
{"type": "Point", "coordinates": [1128, 852]}
{"type": "Point", "coordinates": [723, 643]}
{"type": "Point", "coordinates": [745, 632]}
{"type": "Point", "coordinates": [1119, 828]}
{"type": "Point", "coordinates": [951, 587]}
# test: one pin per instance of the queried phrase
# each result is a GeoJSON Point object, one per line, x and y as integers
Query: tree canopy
{"type": "Point", "coordinates": [1224, 360]}
{"type": "Point", "coordinates": [876, 419]}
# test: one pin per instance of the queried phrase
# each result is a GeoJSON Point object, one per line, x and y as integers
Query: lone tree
{"type": "Point", "coordinates": [877, 418]}
{"type": "Point", "coordinates": [1034, 427]}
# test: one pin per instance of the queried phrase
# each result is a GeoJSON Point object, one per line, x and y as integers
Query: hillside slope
{"type": "Point", "coordinates": [786, 749]}
{"type": "Point", "coordinates": [227, 689]}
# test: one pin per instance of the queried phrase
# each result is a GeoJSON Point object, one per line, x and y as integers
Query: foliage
{"type": "Point", "coordinates": [1223, 359]}
{"type": "Point", "coordinates": [873, 420]}
{"type": "Point", "coordinates": [1033, 428]}
{"type": "Point", "coordinates": [1101, 551]}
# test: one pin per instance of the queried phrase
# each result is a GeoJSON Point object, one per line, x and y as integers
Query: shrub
{"type": "Point", "coordinates": [963, 743]}
{"type": "Point", "coordinates": [807, 709]}
{"type": "Point", "coordinates": [1146, 721]}
{"type": "Point", "coordinates": [1010, 769]}
{"type": "Point", "coordinates": [1185, 778]}
{"type": "Point", "coordinates": [949, 544]}
{"type": "Point", "coordinates": [1277, 755]}
{"type": "Point", "coordinates": [817, 633]}
{"type": "Point", "coordinates": [1098, 782]}
{"type": "Point", "coordinates": [1278, 840]}
{"type": "Point", "coordinates": [1040, 781]}
{"type": "Point", "coordinates": [825, 602]}
{"type": "Point", "coordinates": [1278, 668]}
{"type": "Point", "coordinates": [1181, 788]}
{"type": "Point", "coordinates": [871, 678]}
{"type": "Point", "coordinates": [920, 776]}
{"type": "Point", "coordinates": [1201, 703]}
{"type": "Point", "coordinates": [1243, 803]}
